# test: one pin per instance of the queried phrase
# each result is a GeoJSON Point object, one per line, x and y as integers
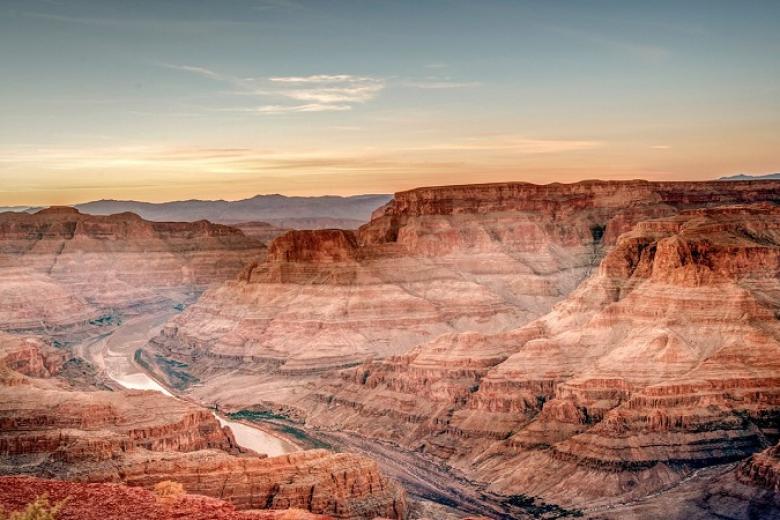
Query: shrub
{"type": "Point", "coordinates": [168, 489]}
{"type": "Point", "coordinates": [39, 509]}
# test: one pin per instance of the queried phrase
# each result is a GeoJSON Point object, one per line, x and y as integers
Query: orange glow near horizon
{"type": "Point", "coordinates": [69, 176]}
{"type": "Point", "coordinates": [169, 101]}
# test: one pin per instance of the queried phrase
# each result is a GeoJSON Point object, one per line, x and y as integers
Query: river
{"type": "Point", "coordinates": [114, 354]}
{"type": "Point", "coordinates": [425, 481]}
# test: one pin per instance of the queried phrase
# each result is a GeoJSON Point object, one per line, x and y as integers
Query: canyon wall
{"type": "Point", "coordinates": [100, 501]}
{"type": "Point", "coordinates": [582, 343]}
{"type": "Point", "coordinates": [61, 269]}
{"type": "Point", "coordinates": [49, 428]}
{"type": "Point", "coordinates": [665, 360]}
{"type": "Point", "coordinates": [481, 258]}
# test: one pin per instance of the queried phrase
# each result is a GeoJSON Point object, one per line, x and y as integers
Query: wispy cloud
{"type": "Point", "coordinates": [516, 144]}
{"type": "Point", "coordinates": [320, 78]}
{"type": "Point", "coordinates": [286, 109]}
{"type": "Point", "coordinates": [200, 71]}
{"type": "Point", "coordinates": [326, 89]}
{"type": "Point", "coordinates": [441, 84]}
{"type": "Point", "coordinates": [319, 92]}
{"type": "Point", "coordinates": [267, 5]}
{"type": "Point", "coordinates": [168, 24]}
{"type": "Point", "coordinates": [646, 52]}
{"type": "Point", "coordinates": [188, 161]}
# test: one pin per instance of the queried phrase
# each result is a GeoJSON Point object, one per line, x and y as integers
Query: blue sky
{"type": "Point", "coordinates": [161, 100]}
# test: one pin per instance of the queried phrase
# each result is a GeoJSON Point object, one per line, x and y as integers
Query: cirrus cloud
{"type": "Point", "coordinates": [313, 93]}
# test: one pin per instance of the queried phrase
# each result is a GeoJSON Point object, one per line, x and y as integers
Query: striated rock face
{"type": "Point", "coordinates": [60, 268]}
{"type": "Point", "coordinates": [341, 485]}
{"type": "Point", "coordinates": [666, 359]}
{"type": "Point", "coordinates": [482, 258]}
{"type": "Point", "coordinates": [29, 356]}
{"type": "Point", "coordinates": [48, 428]}
{"type": "Point", "coordinates": [45, 425]}
{"type": "Point", "coordinates": [762, 469]}
{"type": "Point", "coordinates": [118, 502]}
{"type": "Point", "coordinates": [315, 247]}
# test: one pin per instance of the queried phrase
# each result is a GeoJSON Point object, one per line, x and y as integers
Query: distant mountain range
{"type": "Point", "coordinates": [743, 177]}
{"type": "Point", "coordinates": [279, 210]}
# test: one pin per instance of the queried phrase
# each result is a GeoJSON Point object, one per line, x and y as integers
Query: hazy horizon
{"type": "Point", "coordinates": [175, 100]}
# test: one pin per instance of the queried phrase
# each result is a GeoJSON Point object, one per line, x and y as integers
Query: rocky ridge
{"type": "Point", "coordinates": [663, 361]}
{"type": "Point", "coordinates": [61, 269]}
{"type": "Point", "coordinates": [48, 428]}
{"type": "Point", "coordinates": [98, 501]}
{"type": "Point", "coordinates": [443, 260]}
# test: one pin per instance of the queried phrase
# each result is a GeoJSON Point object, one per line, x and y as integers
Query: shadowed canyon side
{"type": "Point", "coordinates": [51, 428]}
{"type": "Point", "coordinates": [61, 269]}
{"type": "Point", "coordinates": [663, 361]}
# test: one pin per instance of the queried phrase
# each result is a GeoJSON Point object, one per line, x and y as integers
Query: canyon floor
{"type": "Point", "coordinates": [434, 488]}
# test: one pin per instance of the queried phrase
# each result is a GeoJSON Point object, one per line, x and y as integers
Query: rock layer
{"type": "Point", "coordinates": [762, 469]}
{"type": "Point", "coordinates": [60, 268]}
{"type": "Point", "coordinates": [483, 258]}
{"type": "Point", "coordinates": [665, 360]}
{"type": "Point", "coordinates": [117, 502]}
{"type": "Point", "coordinates": [48, 428]}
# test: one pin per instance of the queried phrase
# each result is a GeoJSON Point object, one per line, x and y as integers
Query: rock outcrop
{"type": "Point", "coordinates": [342, 485]}
{"type": "Point", "coordinates": [141, 438]}
{"type": "Point", "coordinates": [762, 469]}
{"type": "Point", "coordinates": [665, 360]}
{"type": "Point", "coordinates": [93, 501]}
{"type": "Point", "coordinates": [482, 258]}
{"type": "Point", "coordinates": [62, 269]}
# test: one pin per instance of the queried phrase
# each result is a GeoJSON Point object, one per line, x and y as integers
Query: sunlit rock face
{"type": "Point", "coordinates": [433, 261]}
{"type": "Point", "coordinates": [101, 501]}
{"type": "Point", "coordinates": [666, 359]}
{"type": "Point", "coordinates": [59, 268]}
{"type": "Point", "coordinates": [50, 428]}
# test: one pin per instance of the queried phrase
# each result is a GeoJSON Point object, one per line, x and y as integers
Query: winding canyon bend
{"type": "Point", "coordinates": [514, 350]}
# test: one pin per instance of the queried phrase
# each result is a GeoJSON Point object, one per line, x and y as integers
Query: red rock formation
{"type": "Point", "coordinates": [666, 359]}
{"type": "Point", "coordinates": [342, 485]}
{"type": "Point", "coordinates": [118, 502]}
{"type": "Point", "coordinates": [141, 438]}
{"type": "Point", "coordinates": [29, 356]}
{"type": "Point", "coordinates": [60, 268]}
{"type": "Point", "coordinates": [762, 469]}
{"type": "Point", "coordinates": [484, 258]}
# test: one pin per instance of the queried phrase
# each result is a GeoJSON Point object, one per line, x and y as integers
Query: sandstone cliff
{"type": "Point", "coordinates": [433, 261]}
{"type": "Point", "coordinates": [48, 428]}
{"type": "Point", "coordinates": [665, 360]}
{"type": "Point", "coordinates": [62, 269]}
{"type": "Point", "coordinates": [117, 502]}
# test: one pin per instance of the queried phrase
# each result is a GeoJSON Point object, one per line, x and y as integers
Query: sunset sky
{"type": "Point", "coordinates": [163, 100]}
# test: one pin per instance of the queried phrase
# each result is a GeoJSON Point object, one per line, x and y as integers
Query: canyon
{"type": "Point", "coordinates": [77, 289]}
{"type": "Point", "coordinates": [52, 428]}
{"type": "Point", "coordinates": [63, 270]}
{"type": "Point", "coordinates": [607, 349]}
{"type": "Point", "coordinates": [586, 344]}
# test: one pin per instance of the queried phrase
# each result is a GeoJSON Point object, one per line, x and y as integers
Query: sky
{"type": "Point", "coordinates": [176, 99]}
